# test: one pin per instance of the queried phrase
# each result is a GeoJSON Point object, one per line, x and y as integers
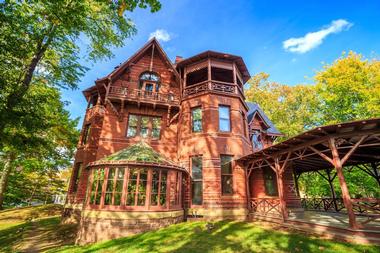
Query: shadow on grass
{"type": "Point", "coordinates": [226, 236]}
{"type": "Point", "coordinates": [37, 236]}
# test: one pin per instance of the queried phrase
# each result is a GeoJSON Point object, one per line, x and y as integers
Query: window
{"type": "Point", "coordinates": [76, 176]}
{"type": "Point", "coordinates": [96, 188]}
{"type": "Point", "coordinates": [270, 182]}
{"type": "Point", "coordinates": [114, 188]}
{"type": "Point", "coordinates": [136, 190]}
{"type": "Point", "coordinates": [196, 119]}
{"type": "Point", "coordinates": [256, 140]}
{"type": "Point", "coordinates": [224, 119]}
{"type": "Point", "coordinates": [156, 128]}
{"type": "Point", "coordinates": [144, 126]}
{"type": "Point", "coordinates": [196, 185]}
{"type": "Point", "coordinates": [93, 101]}
{"type": "Point", "coordinates": [227, 176]}
{"type": "Point", "coordinates": [86, 133]}
{"type": "Point", "coordinates": [158, 189]}
{"type": "Point", "coordinates": [149, 81]}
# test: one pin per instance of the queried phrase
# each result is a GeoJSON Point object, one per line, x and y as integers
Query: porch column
{"type": "Point", "coordinates": [280, 187]}
{"type": "Point", "coordinates": [332, 190]}
{"type": "Point", "coordinates": [343, 185]}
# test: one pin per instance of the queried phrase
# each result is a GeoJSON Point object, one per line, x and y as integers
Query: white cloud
{"type": "Point", "coordinates": [314, 39]}
{"type": "Point", "coordinates": [161, 35]}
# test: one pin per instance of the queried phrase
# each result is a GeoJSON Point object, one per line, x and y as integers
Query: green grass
{"type": "Point", "coordinates": [34, 229]}
{"type": "Point", "coordinates": [38, 229]}
{"type": "Point", "coordinates": [227, 236]}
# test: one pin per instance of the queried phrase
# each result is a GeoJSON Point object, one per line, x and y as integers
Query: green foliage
{"type": "Point", "coordinates": [291, 108]}
{"type": "Point", "coordinates": [346, 90]}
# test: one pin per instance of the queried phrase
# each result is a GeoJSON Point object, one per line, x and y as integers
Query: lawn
{"type": "Point", "coordinates": [39, 230]}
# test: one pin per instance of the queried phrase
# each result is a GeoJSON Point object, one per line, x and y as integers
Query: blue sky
{"type": "Point", "coordinates": [313, 31]}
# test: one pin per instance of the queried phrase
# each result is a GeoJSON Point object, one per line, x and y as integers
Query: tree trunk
{"type": "Point", "coordinates": [4, 177]}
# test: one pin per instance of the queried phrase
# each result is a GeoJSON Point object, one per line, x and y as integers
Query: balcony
{"type": "Point", "coordinates": [213, 86]}
{"type": "Point", "coordinates": [142, 96]}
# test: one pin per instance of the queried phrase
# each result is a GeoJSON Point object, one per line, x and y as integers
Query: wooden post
{"type": "Point", "coordinates": [343, 185]}
{"type": "Point", "coordinates": [296, 177]}
{"type": "Point", "coordinates": [333, 194]}
{"type": "Point", "coordinates": [247, 189]}
{"type": "Point", "coordinates": [280, 186]}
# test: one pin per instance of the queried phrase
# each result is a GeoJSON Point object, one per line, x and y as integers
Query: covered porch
{"type": "Point", "coordinates": [334, 149]}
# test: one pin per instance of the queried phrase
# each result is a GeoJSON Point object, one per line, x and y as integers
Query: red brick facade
{"type": "Point", "coordinates": [207, 81]}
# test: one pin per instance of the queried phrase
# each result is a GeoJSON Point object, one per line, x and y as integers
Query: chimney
{"type": "Point", "coordinates": [178, 58]}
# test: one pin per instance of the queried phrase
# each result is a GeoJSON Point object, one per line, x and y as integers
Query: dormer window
{"type": "Point", "coordinates": [149, 82]}
{"type": "Point", "coordinates": [257, 141]}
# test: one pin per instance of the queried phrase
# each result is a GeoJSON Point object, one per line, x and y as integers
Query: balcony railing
{"type": "Point", "coordinates": [143, 95]}
{"type": "Point", "coordinates": [265, 206]}
{"type": "Point", "coordinates": [212, 86]}
{"type": "Point", "coordinates": [361, 206]}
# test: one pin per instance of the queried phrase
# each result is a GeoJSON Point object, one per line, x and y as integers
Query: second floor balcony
{"type": "Point", "coordinates": [144, 96]}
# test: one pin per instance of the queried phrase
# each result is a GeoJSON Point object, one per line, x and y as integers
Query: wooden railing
{"type": "Point", "coordinates": [143, 95]}
{"type": "Point", "coordinates": [265, 206]}
{"type": "Point", "coordinates": [212, 86]}
{"type": "Point", "coordinates": [361, 206]}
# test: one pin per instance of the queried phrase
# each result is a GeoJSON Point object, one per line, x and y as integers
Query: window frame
{"type": "Point", "coordinates": [220, 119]}
{"type": "Point", "coordinates": [226, 175]}
{"type": "Point", "coordinates": [86, 134]}
{"type": "Point", "coordinates": [150, 126]}
{"type": "Point", "coordinates": [199, 180]}
{"type": "Point", "coordinates": [192, 119]}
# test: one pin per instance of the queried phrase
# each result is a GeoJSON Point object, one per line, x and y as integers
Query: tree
{"type": "Point", "coordinates": [291, 108]}
{"type": "Point", "coordinates": [43, 137]}
{"type": "Point", "coordinates": [39, 42]}
{"type": "Point", "coordinates": [348, 89]}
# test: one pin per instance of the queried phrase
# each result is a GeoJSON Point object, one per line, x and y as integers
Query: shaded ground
{"type": "Point", "coordinates": [38, 229]}
{"type": "Point", "coordinates": [34, 229]}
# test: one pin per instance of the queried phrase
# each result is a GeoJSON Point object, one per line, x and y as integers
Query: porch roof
{"type": "Point", "coordinates": [358, 141]}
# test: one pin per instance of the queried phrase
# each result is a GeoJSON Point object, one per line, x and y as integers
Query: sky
{"type": "Point", "coordinates": [289, 40]}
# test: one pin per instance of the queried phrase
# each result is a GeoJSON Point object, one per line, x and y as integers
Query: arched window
{"type": "Point", "coordinates": [257, 141]}
{"type": "Point", "coordinates": [149, 82]}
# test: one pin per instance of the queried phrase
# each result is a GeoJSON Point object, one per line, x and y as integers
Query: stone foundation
{"type": "Point", "coordinates": [71, 214]}
{"type": "Point", "coordinates": [218, 213]}
{"type": "Point", "coordinates": [105, 225]}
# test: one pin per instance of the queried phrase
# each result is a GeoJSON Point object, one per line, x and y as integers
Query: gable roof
{"type": "Point", "coordinates": [253, 110]}
{"type": "Point", "coordinates": [152, 42]}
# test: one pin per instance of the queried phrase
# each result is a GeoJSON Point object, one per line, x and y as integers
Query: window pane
{"type": "Point", "coordinates": [99, 189]}
{"type": "Point", "coordinates": [196, 167]}
{"type": "Point", "coordinates": [225, 164]}
{"type": "Point", "coordinates": [86, 133]}
{"type": "Point", "coordinates": [131, 190]}
{"type": "Point", "coordinates": [144, 126]}
{"type": "Point", "coordinates": [196, 172]}
{"type": "Point", "coordinates": [197, 192]}
{"type": "Point", "coordinates": [142, 188]}
{"type": "Point", "coordinates": [163, 188]}
{"type": "Point", "coordinates": [156, 124]}
{"type": "Point", "coordinates": [227, 184]}
{"type": "Point", "coordinates": [132, 125]}
{"type": "Point", "coordinates": [155, 186]}
{"type": "Point", "coordinates": [224, 119]}
{"type": "Point", "coordinates": [196, 115]}
{"type": "Point", "coordinates": [270, 182]}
